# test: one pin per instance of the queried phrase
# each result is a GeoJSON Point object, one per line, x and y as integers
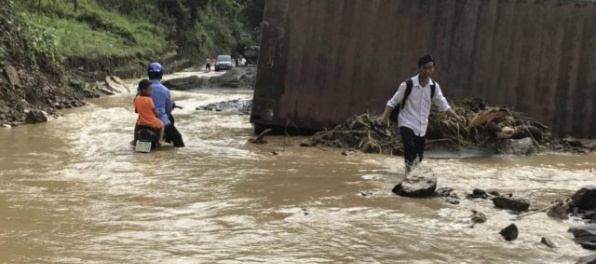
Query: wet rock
{"type": "Point", "coordinates": [547, 242]}
{"type": "Point", "coordinates": [477, 193]}
{"type": "Point", "coordinates": [12, 75]}
{"type": "Point", "coordinates": [348, 153]}
{"type": "Point", "coordinates": [510, 232]}
{"type": "Point", "coordinates": [242, 107]}
{"type": "Point", "coordinates": [527, 131]}
{"type": "Point", "coordinates": [584, 198]}
{"type": "Point", "coordinates": [186, 83]}
{"type": "Point", "coordinates": [448, 194]}
{"type": "Point", "coordinates": [522, 146]}
{"type": "Point", "coordinates": [364, 194]}
{"type": "Point", "coordinates": [307, 143]}
{"type": "Point", "coordinates": [559, 211]}
{"type": "Point", "coordinates": [444, 192]}
{"type": "Point", "coordinates": [416, 186]}
{"type": "Point", "coordinates": [478, 217]}
{"type": "Point", "coordinates": [574, 142]}
{"type": "Point", "coordinates": [239, 77]}
{"type": "Point", "coordinates": [36, 116]}
{"type": "Point", "coordinates": [513, 204]}
{"type": "Point", "coordinates": [591, 259]}
{"type": "Point", "coordinates": [585, 235]}
{"type": "Point", "coordinates": [452, 200]}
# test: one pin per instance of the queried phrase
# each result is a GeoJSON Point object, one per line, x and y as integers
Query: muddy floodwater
{"type": "Point", "coordinates": [73, 191]}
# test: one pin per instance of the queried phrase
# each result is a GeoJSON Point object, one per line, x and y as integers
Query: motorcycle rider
{"type": "Point", "coordinates": [163, 104]}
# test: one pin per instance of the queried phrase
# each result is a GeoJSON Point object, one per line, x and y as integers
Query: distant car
{"type": "Point", "coordinates": [224, 62]}
{"type": "Point", "coordinates": [251, 53]}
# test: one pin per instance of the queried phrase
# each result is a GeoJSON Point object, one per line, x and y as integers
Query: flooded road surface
{"type": "Point", "coordinates": [72, 191]}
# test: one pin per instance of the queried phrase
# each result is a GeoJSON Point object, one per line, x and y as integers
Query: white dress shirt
{"type": "Point", "coordinates": [415, 114]}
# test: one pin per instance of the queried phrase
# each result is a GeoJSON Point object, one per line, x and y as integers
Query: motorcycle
{"type": "Point", "coordinates": [145, 139]}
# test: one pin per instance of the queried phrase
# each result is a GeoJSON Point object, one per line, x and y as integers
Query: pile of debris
{"type": "Point", "coordinates": [493, 129]}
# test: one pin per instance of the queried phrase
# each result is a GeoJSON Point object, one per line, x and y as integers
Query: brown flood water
{"type": "Point", "coordinates": [72, 191]}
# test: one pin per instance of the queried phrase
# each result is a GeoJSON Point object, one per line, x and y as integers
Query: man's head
{"type": "Point", "coordinates": [426, 66]}
{"type": "Point", "coordinates": [145, 87]}
{"type": "Point", "coordinates": [155, 71]}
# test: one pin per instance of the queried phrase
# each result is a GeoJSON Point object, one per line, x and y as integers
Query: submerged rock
{"type": "Point", "coordinates": [559, 211]}
{"type": "Point", "coordinates": [478, 217]}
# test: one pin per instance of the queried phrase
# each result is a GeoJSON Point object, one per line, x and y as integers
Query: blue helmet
{"type": "Point", "coordinates": [155, 67]}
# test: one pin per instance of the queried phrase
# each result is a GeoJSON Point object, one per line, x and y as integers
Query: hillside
{"type": "Point", "coordinates": [51, 49]}
{"type": "Point", "coordinates": [118, 36]}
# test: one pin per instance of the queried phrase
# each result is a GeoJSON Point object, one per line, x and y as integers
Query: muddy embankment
{"type": "Point", "coordinates": [96, 69]}
{"type": "Point", "coordinates": [32, 94]}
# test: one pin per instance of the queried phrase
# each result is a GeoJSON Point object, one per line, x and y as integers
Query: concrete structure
{"type": "Point", "coordinates": [322, 61]}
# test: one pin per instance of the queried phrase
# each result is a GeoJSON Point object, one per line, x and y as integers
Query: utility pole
{"type": "Point", "coordinates": [38, 6]}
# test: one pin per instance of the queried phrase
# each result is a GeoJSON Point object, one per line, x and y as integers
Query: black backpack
{"type": "Point", "coordinates": [402, 104]}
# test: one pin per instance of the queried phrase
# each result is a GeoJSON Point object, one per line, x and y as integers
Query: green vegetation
{"type": "Point", "coordinates": [140, 28]}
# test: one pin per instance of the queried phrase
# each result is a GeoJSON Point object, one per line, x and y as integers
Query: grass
{"type": "Point", "coordinates": [93, 31]}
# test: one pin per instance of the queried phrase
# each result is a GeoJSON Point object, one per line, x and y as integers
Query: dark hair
{"type": "Point", "coordinates": [144, 84]}
{"type": "Point", "coordinates": [425, 59]}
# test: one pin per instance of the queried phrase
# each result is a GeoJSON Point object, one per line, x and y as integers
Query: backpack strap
{"type": "Point", "coordinates": [433, 88]}
{"type": "Point", "coordinates": [409, 85]}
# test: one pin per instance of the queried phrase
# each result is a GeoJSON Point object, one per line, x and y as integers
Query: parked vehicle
{"type": "Point", "coordinates": [251, 53]}
{"type": "Point", "coordinates": [224, 62]}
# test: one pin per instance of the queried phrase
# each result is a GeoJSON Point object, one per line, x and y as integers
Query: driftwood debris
{"type": "Point", "coordinates": [486, 128]}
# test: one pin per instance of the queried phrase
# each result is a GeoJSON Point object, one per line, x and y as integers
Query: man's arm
{"type": "Point", "coordinates": [440, 101]}
{"type": "Point", "coordinates": [396, 99]}
{"type": "Point", "coordinates": [169, 103]}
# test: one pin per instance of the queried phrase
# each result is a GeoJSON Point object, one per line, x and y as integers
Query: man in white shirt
{"type": "Point", "coordinates": [414, 111]}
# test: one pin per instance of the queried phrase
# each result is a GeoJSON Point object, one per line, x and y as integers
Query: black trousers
{"type": "Point", "coordinates": [413, 146]}
{"type": "Point", "coordinates": [172, 135]}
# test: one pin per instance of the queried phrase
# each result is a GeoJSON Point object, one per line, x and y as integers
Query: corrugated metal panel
{"type": "Point", "coordinates": [322, 61]}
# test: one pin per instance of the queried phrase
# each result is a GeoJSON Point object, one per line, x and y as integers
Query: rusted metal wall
{"type": "Point", "coordinates": [322, 61]}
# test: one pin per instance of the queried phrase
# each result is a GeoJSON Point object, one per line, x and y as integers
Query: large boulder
{"type": "Point", "coordinates": [416, 186]}
{"type": "Point", "coordinates": [186, 83]}
{"type": "Point", "coordinates": [585, 235]}
{"type": "Point", "coordinates": [584, 198]}
{"type": "Point", "coordinates": [513, 204]}
{"type": "Point", "coordinates": [36, 116]}
{"type": "Point", "coordinates": [238, 77]}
